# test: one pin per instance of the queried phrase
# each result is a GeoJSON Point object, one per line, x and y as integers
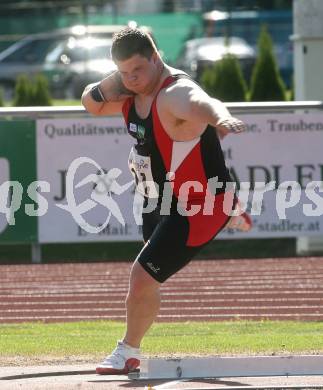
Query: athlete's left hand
{"type": "Point", "coordinates": [229, 125]}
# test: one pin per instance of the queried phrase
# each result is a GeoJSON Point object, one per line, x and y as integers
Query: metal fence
{"type": "Point", "coordinates": [235, 108]}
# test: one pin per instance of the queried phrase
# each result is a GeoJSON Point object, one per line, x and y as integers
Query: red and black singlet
{"type": "Point", "coordinates": [173, 239]}
{"type": "Point", "coordinates": [197, 160]}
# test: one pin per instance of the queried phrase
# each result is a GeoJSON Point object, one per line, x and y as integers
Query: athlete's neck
{"type": "Point", "coordinates": [157, 82]}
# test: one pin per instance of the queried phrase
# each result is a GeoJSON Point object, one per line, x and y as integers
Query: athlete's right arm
{"type": "Point", "coordinates": [114, 94]}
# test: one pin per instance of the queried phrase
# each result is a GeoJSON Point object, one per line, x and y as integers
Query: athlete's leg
{"type": "Point", "coordinates": [170, 247]}
{"type": "Point", "coordinates": [142, 303]}
{"type": "Point", "coordinates": [160, 258]}
{"type": "Point", "coordinates": [143, 299]}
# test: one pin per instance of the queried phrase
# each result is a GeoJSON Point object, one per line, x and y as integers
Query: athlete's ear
{"type": "Point", "coordinates": [154, 57]}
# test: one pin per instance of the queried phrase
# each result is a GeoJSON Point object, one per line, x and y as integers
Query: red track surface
{"type": "Point", "coordinates": [279, 289]}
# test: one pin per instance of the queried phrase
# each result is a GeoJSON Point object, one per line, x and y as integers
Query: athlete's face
{"type": "Point", "coordinates": [138, 73]}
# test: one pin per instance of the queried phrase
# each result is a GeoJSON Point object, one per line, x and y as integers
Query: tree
{"type": "Point", "coordinates": [23, 91]}
{"type": "Point", "coordinates": [34, 93]}
{"type": "Point", "coordinates": [266, 82]}
{"type": "Point", "coordinates": [1, 98]}
{"type": "Point", "coordinates": [41, 95]}
{"type": "Point", "coordinates": [225, 80]}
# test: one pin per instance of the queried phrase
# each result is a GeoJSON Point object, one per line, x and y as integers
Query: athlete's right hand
{"type": "Point", "coordinates": [229, 125]}
{"type": "Point", "coordinates": [240, 220]}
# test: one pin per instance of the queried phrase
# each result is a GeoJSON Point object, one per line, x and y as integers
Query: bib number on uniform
{"type": "Point", "coordinates": [140, 167]}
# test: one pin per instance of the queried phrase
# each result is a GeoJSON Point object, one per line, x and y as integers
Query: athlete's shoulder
{"type": "Point", "coordinates": [180, 83]}
{"type": "Point", "coordinates": [179, 96]}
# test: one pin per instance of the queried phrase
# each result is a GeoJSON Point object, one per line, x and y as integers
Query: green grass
{"type": "Point", "coordinates": [56, 102]}
{"type": "Point", "coordinates": [97, 338]}
{"type": "Point", "coordinates": [65, 102]}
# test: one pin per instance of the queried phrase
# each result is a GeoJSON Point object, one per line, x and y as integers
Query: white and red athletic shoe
{"type": "Point", "coordinates": [122, 360]}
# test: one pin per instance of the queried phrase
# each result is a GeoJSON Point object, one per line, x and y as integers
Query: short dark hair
{"type": "Point", "coordinates": [131, 41]}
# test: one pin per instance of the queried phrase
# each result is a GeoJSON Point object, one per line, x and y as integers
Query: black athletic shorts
{"type": "Point", "coordinates": [171, 241]}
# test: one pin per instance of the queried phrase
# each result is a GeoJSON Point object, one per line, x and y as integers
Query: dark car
{"type": "Point", "coordinates": [201, 53]}
{"type": "Point", "coordinates": [70, 58]}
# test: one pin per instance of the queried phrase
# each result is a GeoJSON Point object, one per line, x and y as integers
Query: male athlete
{"type": "Point", "coordinates": [176, 128]}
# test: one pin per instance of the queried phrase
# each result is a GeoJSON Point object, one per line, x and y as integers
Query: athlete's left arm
{"type": "Point", "coordinates": [187, 101]}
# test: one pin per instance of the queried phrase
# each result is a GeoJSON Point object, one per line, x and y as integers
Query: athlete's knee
{"type": "Point", "coordinates": [141, 283]}
{"type": "Point", "coordinates": [139, 294]}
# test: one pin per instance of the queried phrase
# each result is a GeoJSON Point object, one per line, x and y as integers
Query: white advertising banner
{"type": "Point", "coordinates": [278, 163]}
{"type": "Point", "coordinates": [80, 206]}
{"type": "Point", "coordinates": [285, 151]}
